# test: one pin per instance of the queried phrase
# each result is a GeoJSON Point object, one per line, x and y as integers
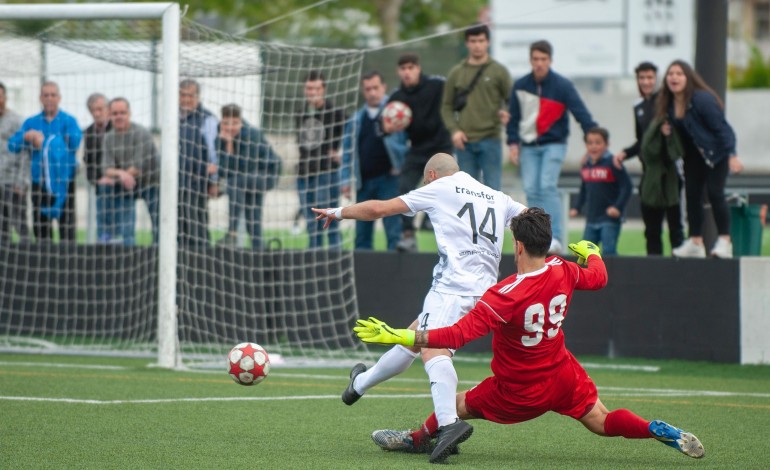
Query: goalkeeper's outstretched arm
{"type": "Point", "coordinates": [367, 211]}
{"type": "Point", "coordinates": [594, 276]}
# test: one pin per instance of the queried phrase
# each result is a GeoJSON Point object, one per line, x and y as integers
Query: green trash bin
{"type": "Point", "coordinates": [746, 229]}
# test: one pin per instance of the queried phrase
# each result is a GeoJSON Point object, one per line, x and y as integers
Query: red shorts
{"type": "Point", "coordinates": [569, 391]}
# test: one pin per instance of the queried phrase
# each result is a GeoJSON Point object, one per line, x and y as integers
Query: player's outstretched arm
{"type": "Point", "coordinates": [367, 210]}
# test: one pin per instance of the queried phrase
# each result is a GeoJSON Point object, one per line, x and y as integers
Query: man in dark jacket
{"type": "Point", "coordinates": [93, 136]}
{"type": "Point", "coordinates": [427, 134]}
{"type": "Point", "coordinates": [320, 126]}
{"type": "Point", "coordinates": [195, 167]}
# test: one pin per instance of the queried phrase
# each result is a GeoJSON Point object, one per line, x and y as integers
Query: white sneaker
{"type": "Point", "coordinates": [555, 248]}
{"type": "Point", "coordinates": [689, 249]}
{"type": "Point", "coordinates": [722, 249]}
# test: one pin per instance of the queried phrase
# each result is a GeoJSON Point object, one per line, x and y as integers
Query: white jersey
{"type": "Point", "coordinates": [470, 221]}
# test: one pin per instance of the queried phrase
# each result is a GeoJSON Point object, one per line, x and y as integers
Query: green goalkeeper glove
{"type": "Point", "coordinates": [583, 249]}
{"type": "Point", "coordinates": [378, 332]}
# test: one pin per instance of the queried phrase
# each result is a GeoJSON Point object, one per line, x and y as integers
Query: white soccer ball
{"type": "Point", "coordinates": [248, 364]}
{"type": "Point", "coordinates": [398, 114]}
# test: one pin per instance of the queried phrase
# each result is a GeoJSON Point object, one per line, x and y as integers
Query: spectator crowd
{"type": "Point", "coordinates": [478, 114]}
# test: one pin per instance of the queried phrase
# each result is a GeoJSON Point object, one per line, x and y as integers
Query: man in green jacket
{"type": "Point", "coordinates": [660, 185]}
{"type": "Point", "coordinates": [474, 108]}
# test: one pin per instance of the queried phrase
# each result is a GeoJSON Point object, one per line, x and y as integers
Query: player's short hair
{"type": "Point", "coordinates": [93, 98]}
{"type": "Point", "coordinates": [541, 46]}
{"type": "Point", "coordinates": [408, 58]}
{"type": "Point", "coordinates": [475, 30]}
{"type": "Point", "coordinates": [371, 74]}
{"type": "Point", "coordinates": [315, 75]}
{"type": "Point", "coordinates": [189, 82]}
{"type": "Point", "coordinates": [2, 87]}
{"type": "Point", "coordinates": [599, 131]}
{"type": "Point", "coordinates": [119, 99]}
{"type": "Point", "coordinates": [645, 66]}
{"type": "Point", "coordinates": [231, 110]}
{"type": "Point", "coordinates": [533, 229]}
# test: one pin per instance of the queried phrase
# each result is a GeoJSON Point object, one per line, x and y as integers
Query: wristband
{"type": "Point", "coordinates": [337, 212]}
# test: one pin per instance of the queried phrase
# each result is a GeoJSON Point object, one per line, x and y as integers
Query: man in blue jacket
{"type": "Point", "coordinates": [538, 131]}
{"type": "Point", "coordinates": [197, 168]}
{"type": "Point", "coordinates": [251, 167]}
{"type": "Point", "coordinates": [52, 138]}
{"type": "Point", "coordinates": [374, 159]}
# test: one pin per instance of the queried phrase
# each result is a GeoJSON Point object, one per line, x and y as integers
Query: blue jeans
{"type": "Point", "coordinates": [244, 201]}
{"type": "Point", "coordinates": [605, 234]}
{"type": "Point", "coordinates": [104, 228]}
{"type": "Point", "coordinates": [119, 214]}
{"type": "Point", "coordinates": [319, 191]}
{"type": "Point", "coordinates": [484, 157]}
{"type": "Point", "coordinates": [540, 169]}
{"type": "Point", "coordinates": [151, 197]}
{"type": "Point", "coordinates": [381, 187]}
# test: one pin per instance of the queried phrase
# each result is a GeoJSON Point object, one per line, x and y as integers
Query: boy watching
{"type": "Point", "coordinates": [604, 192]}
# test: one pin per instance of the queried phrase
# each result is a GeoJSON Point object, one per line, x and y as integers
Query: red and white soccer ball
{"type": "Point", "coordinates": [398, 114]}
{"type": "Point", "coordinates": [248, 364]}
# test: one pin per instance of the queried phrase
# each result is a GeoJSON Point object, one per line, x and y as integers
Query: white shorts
{"type": "Point", "coordinates": [440, 310]}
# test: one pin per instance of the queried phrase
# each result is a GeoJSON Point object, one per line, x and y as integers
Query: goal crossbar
{"type": "Point", "coordinates": [85, 11]}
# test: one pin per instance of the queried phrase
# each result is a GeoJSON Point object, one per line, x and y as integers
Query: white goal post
{"type": "Point", "coordinates": [169, 14]}
{"type": "Point", "coordinates": [230, 131]}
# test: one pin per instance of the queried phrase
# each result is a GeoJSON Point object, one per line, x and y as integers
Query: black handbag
{"type": "Point", "coordinates": [461, 97]}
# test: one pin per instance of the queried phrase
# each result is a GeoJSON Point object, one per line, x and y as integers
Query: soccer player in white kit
{"type": "Point", "coordinates": [469, 220]}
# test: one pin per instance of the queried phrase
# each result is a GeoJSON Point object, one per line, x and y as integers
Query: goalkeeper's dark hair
{"type": "Point", "coordinates": [533, 228]}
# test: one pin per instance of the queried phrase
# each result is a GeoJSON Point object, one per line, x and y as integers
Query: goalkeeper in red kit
{"type": "Point", "coordinates": [533, 371]}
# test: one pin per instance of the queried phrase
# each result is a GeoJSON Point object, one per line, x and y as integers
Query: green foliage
{"type": "Point", "coordinates": [755, 75]}
{"type": "Point", "coordinates": [337, 23]}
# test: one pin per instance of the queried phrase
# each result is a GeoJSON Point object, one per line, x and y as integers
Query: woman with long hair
{"type": "Point", "coordinates": [695, 110]}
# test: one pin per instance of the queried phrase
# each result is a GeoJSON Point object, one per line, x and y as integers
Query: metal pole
{"type": "Point", "coordinates": [711, 64]}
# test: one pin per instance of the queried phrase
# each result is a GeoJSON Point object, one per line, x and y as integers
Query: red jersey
{"type": "Point", "coordinates": [525, 313]}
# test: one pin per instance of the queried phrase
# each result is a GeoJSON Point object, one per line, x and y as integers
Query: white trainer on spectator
{"type": "Point", "coordinates": [722, 248]}
{"type": "Point", "coordinates": [555, 248]}
{"type": "Point", "coordinates": [689, 249]}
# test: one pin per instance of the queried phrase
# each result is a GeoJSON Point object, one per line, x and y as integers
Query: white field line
{"type": "Point", "coordinates": [203, 399]}
{"type": "Point", "coordinates": [613, 391]}
{"type": "Point", "coordinates": [606, 391]}
{"type": "Point", "coordinates": [61, 365]}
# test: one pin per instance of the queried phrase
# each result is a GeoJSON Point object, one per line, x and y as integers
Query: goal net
{"type": "Point", "coordinates": [260, 128]}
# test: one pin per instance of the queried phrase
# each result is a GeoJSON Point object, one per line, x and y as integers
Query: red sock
{"type": "Point", "coordinates": [625, 423]}
{"type": "Point", "coordinates": [426, 431]}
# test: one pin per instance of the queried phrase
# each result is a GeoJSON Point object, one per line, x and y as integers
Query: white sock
{"type": "Point", "coordinates": [443, 387]}
{"type": "Point", "coordinates": [396, 360]}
